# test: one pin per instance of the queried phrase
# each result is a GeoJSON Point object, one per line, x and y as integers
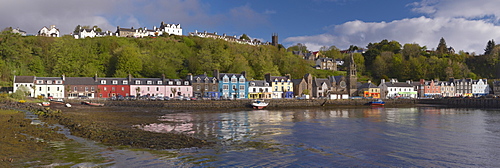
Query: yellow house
{"type": "Point", "coordinates": [281, 86]}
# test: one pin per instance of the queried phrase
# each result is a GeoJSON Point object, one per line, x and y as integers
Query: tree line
{"type": "Point", "coordinates": [176, 56]}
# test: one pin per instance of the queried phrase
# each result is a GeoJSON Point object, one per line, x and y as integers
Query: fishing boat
{"type": "Point", "coordinates": [92, 104]}
{"type": "Point", "coordinates": [45, 104]}
{"type": "Point", "coordinates": [377, 102]}
{"type": "Point", "coordinates": [259, 104]}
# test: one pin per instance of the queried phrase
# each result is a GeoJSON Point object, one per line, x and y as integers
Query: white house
{"type": "Point", "coordinates": [480, 87]}
{"type": "Point", "coordinates": [25, 81]}
{"type": "Point", "coordinates": [395, 89]}
{"type": "Point", "coordinates": [49, 32]}
{"type": "Point", "coordinates": [84, 33]}
{"type": "Point", "coordinates": [259, 89]}
{"type": "Point", "coordinates": [50, 87]}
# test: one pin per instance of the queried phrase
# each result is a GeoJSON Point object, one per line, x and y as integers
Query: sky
{"type": "Point", "coordinates": [464, 24]}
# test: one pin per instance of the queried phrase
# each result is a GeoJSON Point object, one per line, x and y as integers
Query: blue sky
{"type": "Point", "coordinates": [466, 25]}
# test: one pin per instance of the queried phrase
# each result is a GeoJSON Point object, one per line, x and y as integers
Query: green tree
{"type": "Point", "coordinates": [129, 61]}
{"type": "Point", "coordinates": [442, 48]}
{"type": "Point", "coordinates": [244, 37]}
{"type": "Point", "coordinates": [489, 47]}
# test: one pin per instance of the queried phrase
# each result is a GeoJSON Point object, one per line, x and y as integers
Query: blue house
{"type": "Point", "coordinates": [232, 86]}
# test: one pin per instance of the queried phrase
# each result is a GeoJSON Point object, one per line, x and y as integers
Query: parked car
{"type": "Point", "coordinates": [194, 98]}
{"type": "Point", "coordinates": [179, 98]}
{"type": "Point", "coordinates": [187, 98]}
{"type": "Point", "coordinates": [160, 98]}
{"type": "Point", "coordinates": [131, 97]}
{"type": "Point", "coordinates": [166, 98]}
{"type": "Point", "coordinates": [152, 98]}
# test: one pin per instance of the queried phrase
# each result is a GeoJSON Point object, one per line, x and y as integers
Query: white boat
{"type": "Point", "coordinates": [68, 105]}
{"type": "Point", "coordinates": [259, 104]}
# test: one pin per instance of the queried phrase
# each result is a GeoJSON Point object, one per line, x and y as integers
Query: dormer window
{"type": "Point", "coordinates": [170, 82]}
{"type": "Point", "coordinates": [39, 81]}
{"type": "Point", "coordinates": [186, 83]}
{"type": "Point", "coordinates": [49, 82]}
{"type": "Point", "coordinates": [233, 80]}
{"type": "Point", "coordinates": [125, 82]}
{"type": "Point", "coordinates": [226, 80]}
{"type": "Point", "coordinates": [242, 80]}
{"type": "Point", "coordinates": [114, 82]}
{"type": "Point", "coordinates": [252, 83]}
{"type": "Point", "coordinates": [198, 80]}
{"type": "Point", "coordinates": [266, 84]}
{"type": "Point", "coordinates": [178, 83]}
{"type": "Point", "coordinates": [159, 82]}
{"type": "Point", "coordinates": [149, 82]}
{"type": "Point", "coordinates": [103, 81]}
{"type": "Point", "coordinates": [58, 82]}
{"type": "Point", "coordinates": [137, 82]}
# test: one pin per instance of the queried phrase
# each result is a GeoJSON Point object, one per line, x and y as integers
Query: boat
{"type": "Point", "coordinates": [92, 104]}
{"type": "Point", "coordinates": [67, 105]}
{"type": "Point", "coordinates": [259, 104]}
{"type": "Point", "coordinates": [377, 102]}
{"type": "Point", "coordinates": [45, 104]}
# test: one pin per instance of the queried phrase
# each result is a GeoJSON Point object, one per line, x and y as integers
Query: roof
{"type": "Point", "coordinates": [260, 83]}
{"type": "Point", "coordinates": [398, 84]}
{"type": "Point", "coordinates": [367, 85]}
{"type": "Point", "coordinates": [80, 81]}
{"type": "Point", "coordinates": [24, 79]}
{"type": "Point", "coordinates": [320, 81]}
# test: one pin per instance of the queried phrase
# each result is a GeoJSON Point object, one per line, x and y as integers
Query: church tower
{"type": "Point", "coordinates": [274, 39]}
{"type": "Point", "coordinates": [352, 78]}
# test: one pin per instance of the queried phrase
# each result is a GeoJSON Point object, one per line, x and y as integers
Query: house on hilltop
{"type": "Point", "coordinates": [49, 32]}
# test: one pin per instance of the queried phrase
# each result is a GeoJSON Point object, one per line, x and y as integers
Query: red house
{"type": "Point", "coordinates": [110, 87]}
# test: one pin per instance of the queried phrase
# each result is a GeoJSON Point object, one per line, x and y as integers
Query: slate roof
{"type": "Point", "coordinates": [320, 81]}
{"type": "Point", "coordinates": [24, 79]}
{"type": "Point", "coordinates": [80, 81]}
{"type": "Point", "coordinates": [367, 85]}
{"type": "Point", "coordinates": [398, 84]}
{"type": "Point", "coordinates": [260, 83]}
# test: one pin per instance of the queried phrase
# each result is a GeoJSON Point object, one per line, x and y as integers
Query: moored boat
{"type": "Point", "coordinates": [92, 104]}
{"type": "Point", "coordinates": [67, 105]}
{"type": "Point", "coordinates": [259, 104]}
{"type": "Point", "coordinates": [377, 102]}
{"type": "Point", "coordinates": [45, 104]}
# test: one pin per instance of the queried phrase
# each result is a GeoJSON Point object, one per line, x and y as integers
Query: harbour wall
{"type": "Point", "coordinates": [464, 102]}
{"type": "Point", "coordinates": [273, 103]}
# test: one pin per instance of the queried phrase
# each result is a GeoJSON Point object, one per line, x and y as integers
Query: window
{"type": "Point", "coordinates": [39, 88]}
{"type": "Point", "coordinates": [123, 88]}
{"type": "Point", "coordinates": [148, 89]}
{"type": "Point", "coordinates": [58, 82]}
{"type": "Point", "coordinates": [206, 87]}
{"type": "Point", "coordinates": [86, 89]}
{"type": "Point", "coordinates": [254, 90]}
{"type": "Point", "coordinates": [186, 83]}
{"type": "Point", "coordinates": [214, 88]}
{"type": "Point", "coordinates": [242, 80]}
{"type": "Point", "coordinates": [276, 88]}
{"type": "Point", "coordinates": [225, 80]}
{"type": "Point", "coordinates": [157, 89]}
{"type": "Point", "coordinates": [103, 81]}
{"type": "Point", "coordinates": [105, 88]}
{"type": "Point", "coordinates": [48, 88]}
{"type": "Point", "coordinates": [149, 82]}
{"type": "Point", "coordinates": [114, 82]}
{"type": "Point", "coordinates": [92, 89]}
{"type": "Point", "coordinates": [159, 82]}
{"type": "Point", "coordinates": [113, 89]}
{"type": "Point", "coordinates": [39, 82]}
{"type": "Point", "coordinates": [178, 83]}
{"type": "Point", "coordinates": [125, 82]}
{"type": "Point", "coordinates": [198, 87]}
{"type": "Point", "coordinates": [225, 87]}
{"type": "Point", "coordinates": [49, 82]}
{"type": "Point", "coordinates": [74, 89]}
{"type": "Point", "coordinates": [170, 83]}
{"type": "Point", "coordinates": [242, 87]}
{"type": "Point", "coordinates": [137, 82]}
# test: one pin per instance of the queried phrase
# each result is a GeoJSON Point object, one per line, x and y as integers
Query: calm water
{"type": "Point", "coordinates": [361, 137]}
{"type": "Point", "coordinates": [354, 137]}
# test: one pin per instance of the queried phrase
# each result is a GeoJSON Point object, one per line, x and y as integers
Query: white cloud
{"type": "Point", "coordinates": [460, 33]}
{"type": "Point", "coordinates": [477, 9]}
{"type": "Point", "coordinates": [465, 25]}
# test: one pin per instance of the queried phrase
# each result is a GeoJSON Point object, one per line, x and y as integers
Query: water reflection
{"type": "Point", "coordinates": [351, 137]}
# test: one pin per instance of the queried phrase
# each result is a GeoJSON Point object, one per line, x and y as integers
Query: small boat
{"type": "Point", "coordinates": [377, 102]}
{"type": "Point", "coordinates": [67, 105]}
{"type": "Point", "coordinates": [93, 104]}
{"type": "Point", "coordinates": [259, 104]}
{"type": "Point", "coordinates": [45, 104]}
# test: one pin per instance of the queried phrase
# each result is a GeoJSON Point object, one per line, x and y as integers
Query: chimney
{"type": "Point", "coordinates": [288, 76]}
{"type": "Point", "coordinates": [244, 73]}
{"type": "Point", "coordinates": [63, 77]}
{"type": "Point", "coordinates": [190, 77]}
{"type": "Point", "coordinates": [129, 77]}
{"type": "Point", "coordinates": [369, 81]}
{"type": "Point", "coordinates": [95, 77]}
{"type": "Point", "coordinates": [216, 74]}
{"type": "Point", "coordinates": [267, 77]}
{"type": "Point", "coordinates": [382, 81]}
{"type": "Point", "coordinates": [163, 77]}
